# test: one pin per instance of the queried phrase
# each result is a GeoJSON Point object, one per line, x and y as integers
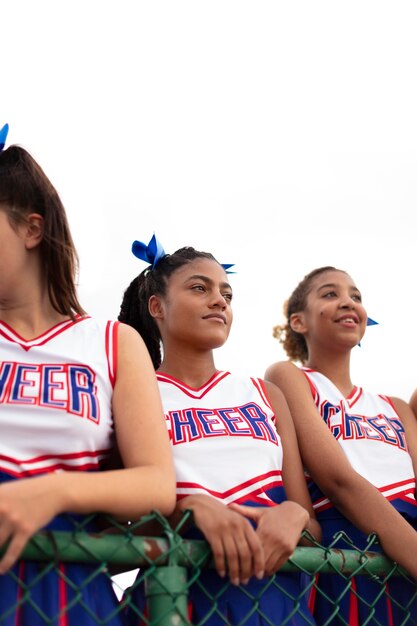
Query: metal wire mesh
{"type": "Point", "coordinates": [66, 578]}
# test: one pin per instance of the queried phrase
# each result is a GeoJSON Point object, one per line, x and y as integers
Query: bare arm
{"type": "Point", "coordinates": [413, 402]}
{"type": "Point", "coordinates": [292, 471]}
{"type": "Point", "coordinates": [280, 527]}
{"type": "Point", "coordinates": [147, 483]}
{"type": "Point", "coordinates": [409, 422]}
{"type": "Point", "coordinates": [352, 494]}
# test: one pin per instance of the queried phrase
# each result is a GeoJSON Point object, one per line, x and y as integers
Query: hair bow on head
{"type": "Point", "coordinates": [3, 136]}
{"type": "Point", "coordinates": [151, 253]}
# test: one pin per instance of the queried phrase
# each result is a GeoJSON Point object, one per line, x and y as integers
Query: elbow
{"type": "Point", "coordinates": [167, 495]}
{"type": "Point", "coordinates": [340, 488]}
{"type": "Point", "coordinates": [168, 503]}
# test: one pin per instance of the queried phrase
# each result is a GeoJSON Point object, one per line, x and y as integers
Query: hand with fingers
{"type": "Point", "coordinates": [279, 529]}
{"type": "Point", "coordinates": [26, 505]}
{"type": "Point", "coordinates": [236, 546]}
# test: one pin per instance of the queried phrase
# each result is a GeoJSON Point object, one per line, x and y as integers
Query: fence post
{"type": "Point", "coordinates": [166, 595]}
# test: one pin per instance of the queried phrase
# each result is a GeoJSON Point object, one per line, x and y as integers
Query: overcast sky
{"type": "Point", "coordinates": [280, 136]}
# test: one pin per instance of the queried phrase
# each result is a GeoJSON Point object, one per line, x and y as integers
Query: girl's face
{"type": "Point", "coordinates": [12, 253]}
{"type": "Point", "coordinates": [197, 307]}
{"type": "Point", "coordinates": [334, 314]}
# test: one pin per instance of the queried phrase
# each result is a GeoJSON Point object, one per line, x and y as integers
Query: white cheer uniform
{"type": "Point", "coordinates": [371, 434]}
{"type": "Point", "coordinates": [55, 416]}
{"type": "Point", "coordinates": [225, 445]}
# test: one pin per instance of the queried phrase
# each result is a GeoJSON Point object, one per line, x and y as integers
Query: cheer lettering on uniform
{"type": "Point", "coordinates": [71, 387]}
{"type": "Point", "coordinates": [352, 426]}
{"type": "Point", "coordinates": [245, 421]}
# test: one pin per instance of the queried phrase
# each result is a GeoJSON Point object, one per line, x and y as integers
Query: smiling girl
{"type": "Point", "coordinates": [359, 448]}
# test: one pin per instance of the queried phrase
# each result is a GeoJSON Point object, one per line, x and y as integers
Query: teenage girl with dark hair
{"type": "Point", "coordinates": [233, 442]}
{"type": "Point", "coordinates": [68, 385]}
{"type": "Point", "coordinates": [359, 448]}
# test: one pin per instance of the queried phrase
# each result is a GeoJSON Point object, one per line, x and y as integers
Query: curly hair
{"type": "Point", "coordinates": [294, 343]}
{"type": "Point", "coordinates": [153, 281]}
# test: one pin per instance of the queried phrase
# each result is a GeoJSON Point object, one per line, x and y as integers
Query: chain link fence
{"type": "Point", "coordinates": [68, 578]}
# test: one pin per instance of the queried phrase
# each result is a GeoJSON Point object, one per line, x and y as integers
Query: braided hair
{"type": "Point", "coordinates": [153, 281]}
{"type": "Point", "coordinates": [294, 343]}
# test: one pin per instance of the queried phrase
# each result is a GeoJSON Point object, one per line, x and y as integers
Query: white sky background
{"type": "Point", "coordinates": [280, 136]}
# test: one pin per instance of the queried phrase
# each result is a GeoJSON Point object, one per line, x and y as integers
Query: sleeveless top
{"type": "Point", "coordinates": [224, 439]}
{"type": "Point", "coordinates": [371, 434]}
{"type": "Point", "coordinates": [55, 398]}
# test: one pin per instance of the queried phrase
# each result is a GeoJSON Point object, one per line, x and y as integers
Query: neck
{"type": "Point", "coordinates": [26, 306]}
{"type": "Point", "coordinates": [31, 318]}
{"type": "Point", "coordinates": [336, 369]}
{"type": "Point", "coordinates": [192, 369]}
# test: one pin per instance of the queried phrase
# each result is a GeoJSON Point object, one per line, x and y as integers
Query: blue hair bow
{"type": "Point", "coordinates": [151, 253]}
{"type": "Point", "coordinates": [3, 136]}
{"type": "Point", "coordinates": [154, 252]}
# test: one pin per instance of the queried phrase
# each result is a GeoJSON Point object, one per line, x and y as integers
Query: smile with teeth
{"type": "Point", "coordinates": [348, 320]}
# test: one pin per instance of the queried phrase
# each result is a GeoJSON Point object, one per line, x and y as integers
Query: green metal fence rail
{"type": "Point", "coordinates": [168, 564]}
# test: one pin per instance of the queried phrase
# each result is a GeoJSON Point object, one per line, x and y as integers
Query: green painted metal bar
{"type": "Point", "coordinates": [135, 551]}
{"type": "Point", "coordinates": [166, 593]}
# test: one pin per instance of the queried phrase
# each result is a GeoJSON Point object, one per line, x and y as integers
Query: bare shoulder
{"type": "Point", "coordinates": [126, 331]}
{"type": "Point", "coordinates": [413, 402]}
{"type": "Point", "coordinates": [282, 370]}
{"type": "Point", "coordinates": [274, 392]}
{"type": "Point", "coordinates": [129, 339]}
{"type": "Point", "coordinates": [132, 354]}
{"type": "Point", "coordinates": [409, 422]}
{"type": "Point", "coordinates": [404, 410]}
{"type": "Point", "coordinates": [289, 378]}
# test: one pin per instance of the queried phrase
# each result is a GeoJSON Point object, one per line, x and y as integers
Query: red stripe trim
{"type": "Point", "coordinates": [259, 384]}
{"type": "Point", "coordinates": [405, 496]}
{"type": "Point", "coordinates": [45, 457]}
{"type": "Point", "coordinates": [275, 475]}
{"type": "Point", "coordinates": [390, 402]}
{"type": "Point", "coordinates": [354, 396]}
{"type": "Point", "coordinates": [50, 468]}
{"type": "Point", "coordinates": [313, 594]}
{"type": "Point", "coordinates": [189, 391]}
{"type": "Point", "coordinates": [389, 605]}
{"type": "Point", "coordinates": [313, 388]}
{"type": "Point", "coordinates": [18, 615]}
{"type": "Point", "coordinates": [112, 342]}
{"type": "Point", "coordinates": [353, 605]}
{"type": "Point", "coordinates": [411, 482]}
{"type": "Point", "coordinates": [323, 507]}
{"type": "Point", "coordinates": [8, 333]}
{"type": "Point", "coordinates": [63, 597]}
{"type": "Point", "coordinates": [256, 497]}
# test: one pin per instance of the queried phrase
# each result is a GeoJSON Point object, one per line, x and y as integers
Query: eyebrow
{"type": "Point", "coordinates": [208, 280]}
{"type": "Point", "coordinates": [334, 285]}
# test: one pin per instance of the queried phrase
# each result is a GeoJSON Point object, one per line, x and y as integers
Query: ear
{"type": "Point", "coordinates": [297, 323]}
{"type": "Point", "coordinates": [155, 307]}
{"type": "Point", "coordinates": [33, 230]}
